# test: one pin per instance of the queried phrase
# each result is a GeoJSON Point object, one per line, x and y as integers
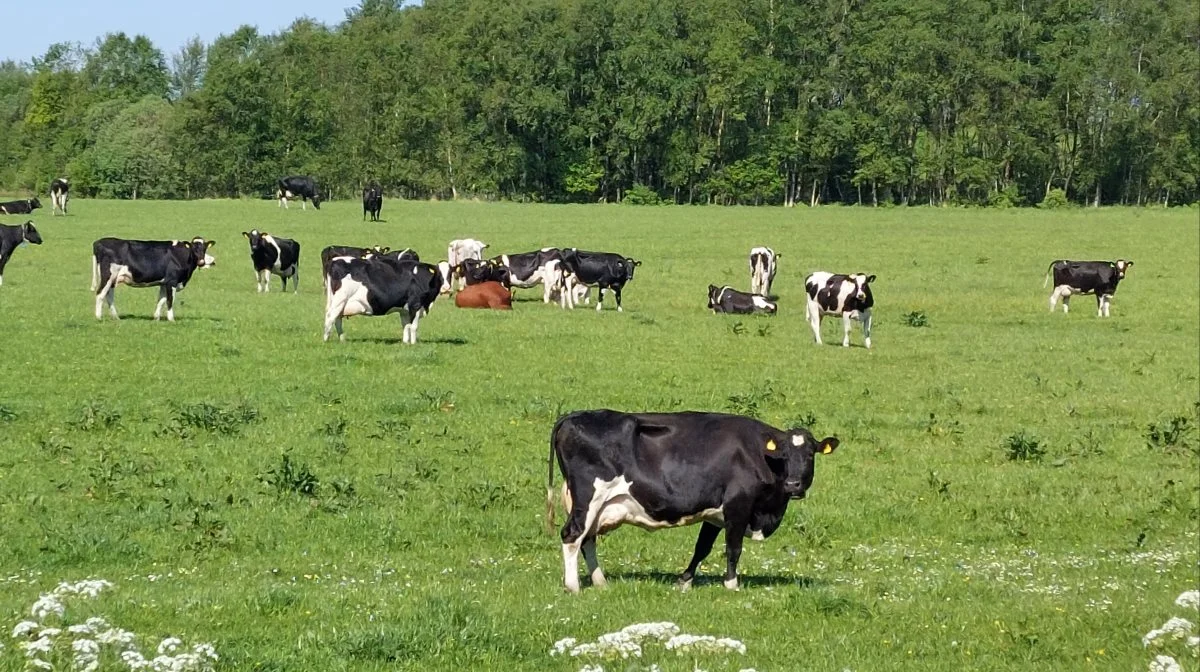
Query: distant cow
{"type": "Point", "coordinates": [657, 470]}
{"type": "Point", "coordinates": [474, 272]}
{"type": "Point", "coordinates": [379, 286]}
{"type": "Point", "coordinates": [489, 294]}
{"type": "Point", "coordinates": [20, 207]}
{"type": "Point", "coordinates": [845, 295]}
{"type": "Point", "coordinates": [763, 262]}
{"type": "Point", "coordinates": [167, 264]}
{"type": "Point", "coordinates": [728, 300]}
{"type": "Point", "coordinates": [298, 186]}
{"type": "Point", "coordinates": [1086, 277]}
{"type": "Point", "coordinates": [12, 237]}
{"type": "Point", "coordinates": [372, 202]}
{"type": "Point", "coordinates": [271, 255]}
{"type": "Point", "coordinates": [59, 195]}
{"type": "Point", "coordinates": [459, 251]}
{"type": "Point", "coordinates": [604, 270]}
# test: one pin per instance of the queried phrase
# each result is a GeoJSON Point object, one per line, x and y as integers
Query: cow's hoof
{"type": "Point", "coordinates": [684, 586]}
{"type": "Point", "coordinates": [732, 584]}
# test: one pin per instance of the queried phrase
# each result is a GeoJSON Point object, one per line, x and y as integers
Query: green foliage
{"type": "Point", "coordinates": [1056, 199]}
{"type": "Point", "coordinates": [1177, 433]}
{"type": "Point", "coordinates": [916, 318]}
{"type": "Point", "coordinates": [1024, 447]}
{"type": "Point", "coordinates": [640, 194]}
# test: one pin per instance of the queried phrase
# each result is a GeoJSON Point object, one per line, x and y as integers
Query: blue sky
{"type": "Point", "coordinates": [34, 26]}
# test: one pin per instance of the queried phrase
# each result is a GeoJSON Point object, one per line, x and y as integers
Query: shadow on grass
{"type": "Point", "coordinates": [701, 580]}
{"type": "Point", "coordinates": [136, 317]}
{"type": "Point", "coordinates": [390, 340]}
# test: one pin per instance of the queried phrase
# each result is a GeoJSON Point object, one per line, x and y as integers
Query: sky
{"type": "Point", "coordinates": [34, 26]}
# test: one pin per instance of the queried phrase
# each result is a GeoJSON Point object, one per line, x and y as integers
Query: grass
{"type": "Point", "coordinates": [369, 505]}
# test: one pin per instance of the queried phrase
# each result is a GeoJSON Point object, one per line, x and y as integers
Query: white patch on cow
{"type": "Point", "coordinates": [761, 303]}
{"type": "Point", "coordinates": [756, 535]}
{"type": "Point", "coordinates": [798, 440]}
{"type": "Point", "coordinates": [444, 270]}
{"type": "Point", "coordinates": [459, 251]}
{"type": "Point", "coordinates": [1063, 292]}
{"type": "Point", "coordinates": [593, 563]}
{"type": "Point", "coordinates": [571, 566]}
{"type": "Point", "coordinates": [732, 584]}
{"type": "Point", "coordinates": [762, 275]}
{"type": "Point", "coordinates": [158, 308]}
{"type": "Point", "coordinates": [349, 300]}
{"type": "Point", "coordinates": [612, 505]}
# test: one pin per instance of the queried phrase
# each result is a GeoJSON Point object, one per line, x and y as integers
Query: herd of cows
{"type": "Point", "coordinates": [651, 470]}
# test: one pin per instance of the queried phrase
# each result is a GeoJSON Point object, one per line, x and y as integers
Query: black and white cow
{"type": "Point", "coordinates": [333, 251]}
{"type": "Point", "coordinates": [763, 263]}
{"type": "Point", "coordinates": [12, 237]}
{"type": "Point", "coordinates": [729, 300]}
{"type": "Point", "coordinates": [60, 193]}
{"type": "Point", "coordinates": [379, 286]}
{"type": "Point", "coordinates": [272, 255]}
{"type": "Point", "coordinates": [166, 264]}
{"type": "Point", "coordinates": [298, 186]}
{"type": "Point", "coordinates": [527, 269]}
{"type": "Point", "coordinates": [845, 295]}
{"type": "Point", "coordinates": [604, 270]}
{"type": "Point", "coordinates": [474, 272]}
{"type": "Point", "coordinates": [657, 470]}
{"type": "Point", "coordinates": [372, 202]}
{"type": "Point", "coordinates": [1086, 277]}
{"type": "Point", "coordinates": [20, 207]}
{"type": "Point", "coordinates": [407, 254]}
{"type": "Point", "coordinates": [459, 251]}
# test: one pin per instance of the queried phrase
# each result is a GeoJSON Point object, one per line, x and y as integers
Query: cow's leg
{"type": "Point", "coordinates": [333, 316]}
{"type": "Point", "coordinates": [1101, 305]}
{"type": "Point", "coordinates": [813, 313]}
{"type": "Point", "coordinates": [734, 535]}
{"type": "Point", "coordinates": [593, 563]}
{"type": "Point", "coordinates": [704, 544]}
{"type": "Point", "coordinates": [865, 316]}
{"type": "Point", "coordinates": [847, 323]}
{"type": "Point", "coordinates": [617, 292]}
{"type": "Point", "coordinates": [599, 297]}
{"type": "Point", "coordinates": [171, 304]}
{"type": "Point", "coordinates": [1066, 299]}
{"type": "Point", "coordinates": [163, 292]}
{"type": "Point", "coordinates": [295, 280]}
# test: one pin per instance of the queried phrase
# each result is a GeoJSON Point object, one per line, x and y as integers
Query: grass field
{"type": "Point", "coordinates": [369, 505]}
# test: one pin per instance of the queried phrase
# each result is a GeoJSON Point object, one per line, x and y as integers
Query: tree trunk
{"type": "Point", "coordinates": [812, 198]}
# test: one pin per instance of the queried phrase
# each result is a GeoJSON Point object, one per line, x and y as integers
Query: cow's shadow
{"type": "Point", "coordinates": [392, 340]}
{"type": "Point", "coordinates": [746, 580]}
{"type": "Point", "coordinates": [138, 317]}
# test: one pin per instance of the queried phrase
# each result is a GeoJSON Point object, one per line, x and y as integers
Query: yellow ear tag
{"type": "Point", "coordinates": [827, 450]}
{"type": "Point", "coordinates": [770, 444]}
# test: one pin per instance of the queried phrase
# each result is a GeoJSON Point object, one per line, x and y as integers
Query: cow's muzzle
{"type": "Point", "coordinates": [793, 489]}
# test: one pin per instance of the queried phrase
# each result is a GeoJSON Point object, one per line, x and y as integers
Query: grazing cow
{"type": "Point", "coordinates": [1086, 277]}
{"type": "Point", "coordinates": [527, 269]}
{"type": "Point", "coordinates": [763, 262]}
{"type": "Point", "coordinates": [657, 470]}
{"type": "Point", "coordinates": [379, 286]}
{"type": "Point", "coordinates": [604, 270]}
{"type": "Point", "coordinates": [280, 256]}
{"type": "Point", "coordinates": [474, 271]}
{"type": "Point", "coordinates": [845, 295]}
{"type": "Point", "coordinates": [59, 195]}
{"type": "Point", "coordinates": [489, 294]}
{"type": "Point", "coordinates": [12, 237]}
{"type": "Point", "coordinates": [459, 251]}
{"type": "Point", "coordinates": [24, 207]}
{"type": "Point", "coordinates": [372, 202]}
{"type": "Point", "coordinates": [298, 186]}
{"type": "Point", "coordinates": [167, 264]}
{"type": "Point", "coordinates": [728, 300]}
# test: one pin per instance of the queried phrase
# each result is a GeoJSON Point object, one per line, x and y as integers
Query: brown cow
{"type": "Point", "coordinates": [484, 295]}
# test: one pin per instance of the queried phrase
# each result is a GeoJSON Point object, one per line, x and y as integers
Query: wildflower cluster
{"type": "Point", "coordinates": [1176, 629]}
{"type": "Point", "coordinates": [691, 644]}
{"type": "Point", "coordinates": [628, 642]}
{"type": "Point", "coordinates": [48, 643]}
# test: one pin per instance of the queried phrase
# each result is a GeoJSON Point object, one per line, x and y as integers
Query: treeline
{"type": "Point", "coordinates": [710, 101]}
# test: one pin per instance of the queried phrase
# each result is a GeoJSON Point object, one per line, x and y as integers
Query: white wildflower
{"type": "Point", "coordinates": [704, 643]}
{"type": "Point", "coordinates": [24, 628]}
{"type": "Point", "coordinates": [205, 651]}
{"type": "Point", "coordinates": [47, 604]}
{"type": "Point", "coordinates": [660, 631]}
{"type": "Point", "coordinates": [1164, 664]}
{"type": "Point", "coordinates": [1189, 599]}
{"type": "Point", "coordinates": [116, 636]}
{"type": "Point", "coordinates": [49, 632]}
{"type": "Point", "coordinates": [1193, 642]}
{"type": "Point", "coordinates": [169, 645]}
{"type": "Point", "coordinates": [37, 646]}
{"type": "Point", "coordinates": [1174, 628]}
{"type": "Point", "coordinates": [135, 660]}
{"type": "Point", "coordinates": [85, 646]}
{"type": "Point", "coordinates": [562, 646]}
{"type": "Point", "coordinates": [88, 588]}
{"type": "Point", "coordinates": [43, 664]}
{"type": "Point", "coordinates": [592, 668]}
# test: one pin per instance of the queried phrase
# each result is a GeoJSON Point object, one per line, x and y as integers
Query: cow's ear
{"type": "Point", "coordinates": [209, 243]}
{"type": "Point", "coordinates": [827, 445]}
{"type": "Point", "coordinates": [1128, 264]}
{"type": "Point", "coordinates": [773, 451]}
{"type": "Point", "coordinates": [637, 263]}
{"type": "Point", "coordinates": [246, 234]}
{"type": "Point", "coordinates": [871, 278]}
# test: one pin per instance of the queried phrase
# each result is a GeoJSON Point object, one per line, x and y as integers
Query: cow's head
{"type": "Point", "coordinates": [34, 203]}
{"type": "Point", "coordinates": [29, 234]}
{"type": "Point", "coordinates": [714, 295]}
{"type": "Point", "coordinates": [1122, 266]}
{"type": "Point", "coordinates": [444, 271]}
{"type": "Point", "coordinates": [199, 248]}
{"type": "Point", "coordinates": [794, 461]}
{"type": "Point", "coordinates": [630, 264]}
{"type": "Point", "coordinates": [255, 237]}
{"type": "Point", "coordinates": [316, 200]}
{"type": "Point", "coordinates": [862, 285]}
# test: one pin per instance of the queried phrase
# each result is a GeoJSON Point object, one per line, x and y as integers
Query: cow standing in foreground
{"type": "Point", "coordinates": [763, 263]}
{"type": "Point", "coordinates": [379, 286]}
{"type": "Point", "coordinates": [489, 294]}
{"type": "Point", "coordinates": [60, 193]}
{"type": "Point", "coordinates": [845, 295]}
{"type": "Point", "coordinates": [280, 256]}
{"type": "Point", "coordinates": [1086, 277]}
{"type": "Point", "coordinates": [22, 207]}
{"type": "Point", "coordinates": [167, 264]}
{"type": "Point", "coordinates": [298, 186]}
{"type": "Point", "coordinates": [372, 202]}
{"type": "Point", "coordinates": [527, 269]}
{"type": "Point", "coordinates": [657, 470]}
{"type": "Point", "coordinates": [12, 237]}
{"type": "Point", "coordinates": [729, 300]}
{"type": "Point", "coordinates": [459, 251]}
{"type": "Point", "coordinates": [604, 270]}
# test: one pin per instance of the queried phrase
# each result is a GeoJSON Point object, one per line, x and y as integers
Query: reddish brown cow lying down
{"type": "Point", "coordinates": [484, 295]}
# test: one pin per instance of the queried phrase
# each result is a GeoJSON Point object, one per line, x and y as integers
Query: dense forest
{"type": "Point", "coordinates": [1001, 102]}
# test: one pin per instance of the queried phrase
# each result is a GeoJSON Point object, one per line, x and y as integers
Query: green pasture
{"type": "Point", "coordinates": [1014, 490]}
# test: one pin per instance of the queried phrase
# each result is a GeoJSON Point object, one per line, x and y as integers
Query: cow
{"type": "Point", "coordinates": [24, 207]}
{"type": "Point", "coordinates": [59, 195]}
{"type": "Point", "coordinates": [372, 202]}
{"type": "Point", "coordinates": [459, 251]}
{"type": "Point", "coordinates": [280, 256]}
{"type": "Point", "coordinates": [378, 286]}
{"type": "Point", "coordinates": [527, 269]}
{"type": "Point", "coordinates": [474, 271]}
{"type": "Point", "coordinates": [845, 295]}
{"type": "Point", "coordinates": [729, 300]}
{"type": "Point", "coordinates": [298, 186]}
{"type": "Point", "coordinates": [167, 264]}
{"type": "Point", "coordinates": [567, 289]}
{"type": "Point", "coordinates": [330, 253]}
{"type": "Point", "coordinates": [12, 237]}
{"type": "Point", "coordinates": [407, 254]}
{"type": "Point", "coordinates": [491, 294]}
{"type": "Point", "coordinates": [657, 470]}
{"type": "Point", "coordinates": [604, 270]}
{"type": "Point", "coordinates": [763, 263]}
{"type": "Point", "coordinates": [1086, 277]}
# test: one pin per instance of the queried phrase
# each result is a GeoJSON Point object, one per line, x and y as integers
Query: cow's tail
{"type": "Point", "coordinates": [1049, 270]}
{"type": "Point", "coordinates": [95, 273]}
{"type": "Point", "coordinates": [550, 476]}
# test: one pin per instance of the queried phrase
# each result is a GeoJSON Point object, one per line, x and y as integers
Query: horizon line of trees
{"type": "Point", "coordinates": [974, 102]}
